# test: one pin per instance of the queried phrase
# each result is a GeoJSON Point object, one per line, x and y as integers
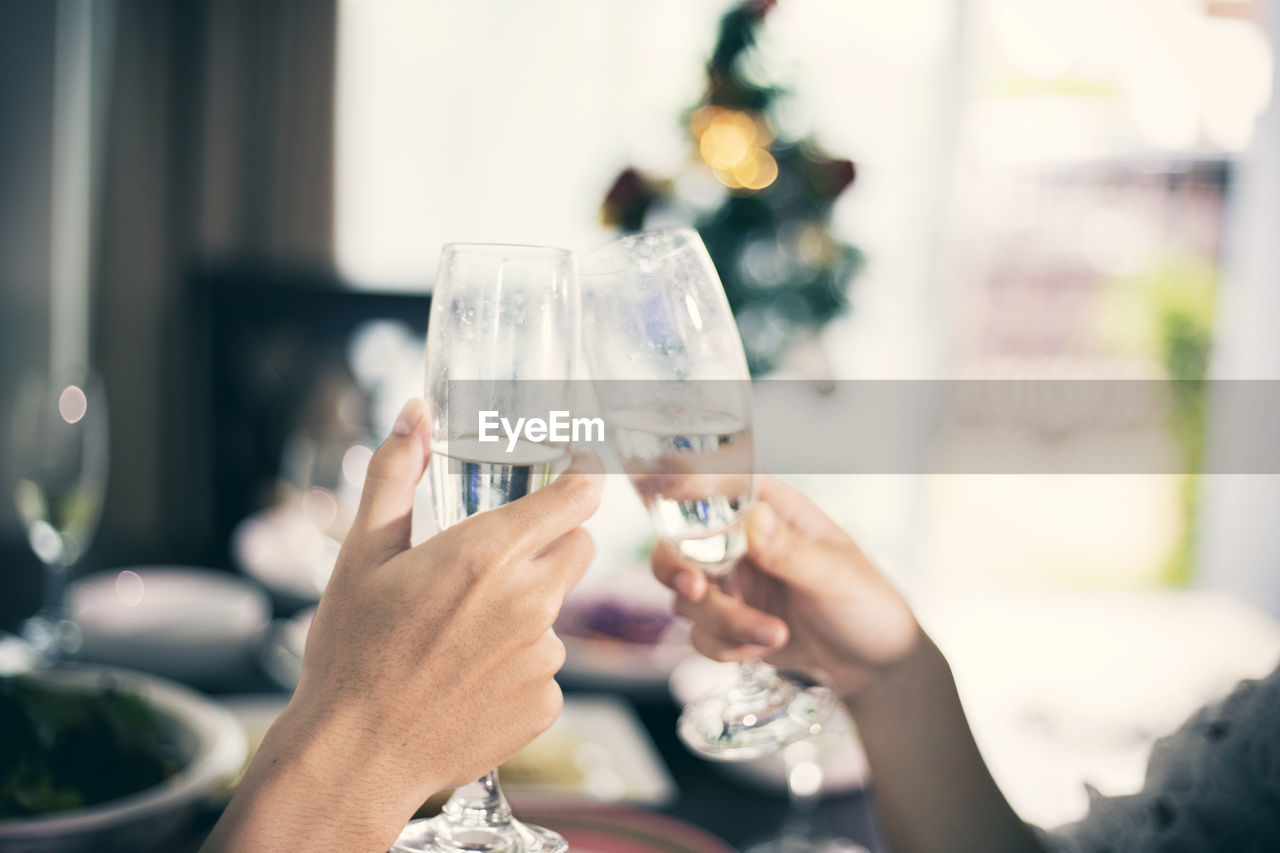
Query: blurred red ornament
{"type": "Point", "coordinates": [831, 176]}
{"type": "Point", "coordinates": [629, 198]}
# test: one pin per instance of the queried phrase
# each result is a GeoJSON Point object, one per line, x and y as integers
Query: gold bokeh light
{"type": "Point", "coordinates": [757, 170]}
{"type": "Point", "coordinates": [734, 145]}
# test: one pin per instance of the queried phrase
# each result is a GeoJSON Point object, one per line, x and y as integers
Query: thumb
{"type": "Point", "coordinates": [781, 551]}
{"type": "Point", "coordinates": [382, 525]}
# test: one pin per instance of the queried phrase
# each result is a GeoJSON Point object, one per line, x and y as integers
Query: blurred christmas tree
{"type": "Point", "coordinates": [766, 227]}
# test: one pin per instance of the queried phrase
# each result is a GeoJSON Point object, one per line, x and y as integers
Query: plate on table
{"type": "Point", "coordinates": [598, 828]}
{"type": "Point", "coordinates": [287, 553]}
{"type": "Point", "coordinates": [620, 632]}
{"type": "Point", "coordinates": [198, 626]}
{"type": "Point", "coordinates": [598, 750]}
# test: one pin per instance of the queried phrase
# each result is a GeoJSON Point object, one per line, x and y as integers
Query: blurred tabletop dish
{"type": "Point", "coordinates": [213, 749]}
{"type": "Point", "coordinates": [598, 828]}
{"type": "Point", "coordinates": [597, 750]}
{"type": "Point", "coordinates": [620, 633]}
{"type": "Point", "coordinates": [285, 551]}
{"type": "Point", "coordinates": [198, 626]}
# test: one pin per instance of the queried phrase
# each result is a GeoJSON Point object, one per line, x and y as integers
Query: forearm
{"type": "Point", "coordinates": [308, 789]}
{"type": "Point", "coordinates": [932, 789]}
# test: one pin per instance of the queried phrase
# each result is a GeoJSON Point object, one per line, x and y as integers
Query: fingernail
{"type": "Point", "coordinates": [769, 635]}
{"type": "Point", "coordinates": [686, 585]}
{"type": "Point", "coordinates": [763, 521]}
{"type": "Point", "coordinates": [408, 418]}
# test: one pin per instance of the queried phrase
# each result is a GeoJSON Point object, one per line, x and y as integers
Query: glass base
{"type": "Point", "coordinates": [764, 710]}
{"type": "Point", "coordinates": [53, 635]}
{"type": "Point", "coordinates": [442, 835]}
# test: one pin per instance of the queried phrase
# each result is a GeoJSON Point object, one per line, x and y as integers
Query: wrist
{"type": "Point", "coordinates": [323, 780]}
{"type": "Point", "coordinates": [910, 675]}
{"type": "Point", "coordinates": [355, 750]}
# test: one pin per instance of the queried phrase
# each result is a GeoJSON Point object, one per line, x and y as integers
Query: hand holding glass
{"type": "Point", "coordinates": [503, 321]}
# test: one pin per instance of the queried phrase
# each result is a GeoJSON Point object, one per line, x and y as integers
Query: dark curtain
{"type": "Point", "coordinates": [26, 128]}
{"type": "Point", "coordinates": [218, 145]}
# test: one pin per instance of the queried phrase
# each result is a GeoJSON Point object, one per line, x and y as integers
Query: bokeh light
{"type": "Point", "coordinates": [735, 146]}
{"type": "Point", "coordinates": [355, 465]}
{"type": "Point", "coordinates": [756, 170]}
{"type": "Point", "coordinates": [129, 588]}
{"type": "Point", "coordinates": [72, 404]}
{"type": "Point", "coordinates": [320, 507]}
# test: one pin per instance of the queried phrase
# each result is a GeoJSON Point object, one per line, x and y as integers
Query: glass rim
{"type": "Point", "coordinates": [521, 248]}
{"type": "Point", "coordinates": [671, 234]}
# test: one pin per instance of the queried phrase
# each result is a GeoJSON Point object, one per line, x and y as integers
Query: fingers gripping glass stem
{"type": "Point", "coordinates": [764, 709]}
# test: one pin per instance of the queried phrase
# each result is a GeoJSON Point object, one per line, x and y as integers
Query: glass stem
{"type": "Point", "coordinates": [751, 673]}
{"type": "Point", "coordinates": [480, 802]}
{"type": "Point", "coordinates": [53, 589]}
{"type": "Point", "coordinates": [804, 790]}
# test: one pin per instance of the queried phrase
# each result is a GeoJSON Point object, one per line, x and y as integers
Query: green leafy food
{"type": "Point", "coordinates": [63, 748]}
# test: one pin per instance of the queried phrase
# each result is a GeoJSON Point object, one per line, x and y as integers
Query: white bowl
{"type": "Point", "coordinates": [211, 739]}
{"type": "Point", "coordinates": [198, 626]}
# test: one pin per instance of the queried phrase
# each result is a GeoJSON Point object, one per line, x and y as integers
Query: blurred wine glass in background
{"type": "Point", "coordinates": [804, 830]}
{"type": "Point", "coordinates": [60, 443]}
{"type": "Point", "coordinates": [321, 476]}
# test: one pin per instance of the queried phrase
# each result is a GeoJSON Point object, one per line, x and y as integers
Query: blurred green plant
{"type": "Point", "coordinates": [1176, 299]}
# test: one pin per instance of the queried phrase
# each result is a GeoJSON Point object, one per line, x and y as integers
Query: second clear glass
{"type": "Point", "coordinates": [669, 372]}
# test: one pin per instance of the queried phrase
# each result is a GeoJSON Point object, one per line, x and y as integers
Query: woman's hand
{"type": "Point", "coordinates": [811, 598]}
{"type": "Point", "coordinates": [808, 597]}
{"type": "Point", "coordinates": [425, 667]}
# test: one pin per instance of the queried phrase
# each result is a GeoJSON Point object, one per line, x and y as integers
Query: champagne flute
{"type": "Point", "coordinates": [503, 330]}
{"type": "Point", "coordinates": [60, 446]}
{"type": "Point", "coordinates": [670, 374]}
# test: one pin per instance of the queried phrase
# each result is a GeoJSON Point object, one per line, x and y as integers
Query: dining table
{"type": "Point", "coordinates": [707, 795]}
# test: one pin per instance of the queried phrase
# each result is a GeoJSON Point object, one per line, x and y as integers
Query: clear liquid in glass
{"type": "Point", "coordinates": [60, 518]}
{"type": "Point", "coordinates": [470, 476]}
{"type": "Point", "coordinates": [694, 477]}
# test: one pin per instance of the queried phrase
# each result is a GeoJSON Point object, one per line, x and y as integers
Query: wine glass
{"type": "Point", "coordinates": [502, 333]}
{"type": "Point", "coordinates": [670, 374]}
{"type": "Point", "coordinates": [59, 443]}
